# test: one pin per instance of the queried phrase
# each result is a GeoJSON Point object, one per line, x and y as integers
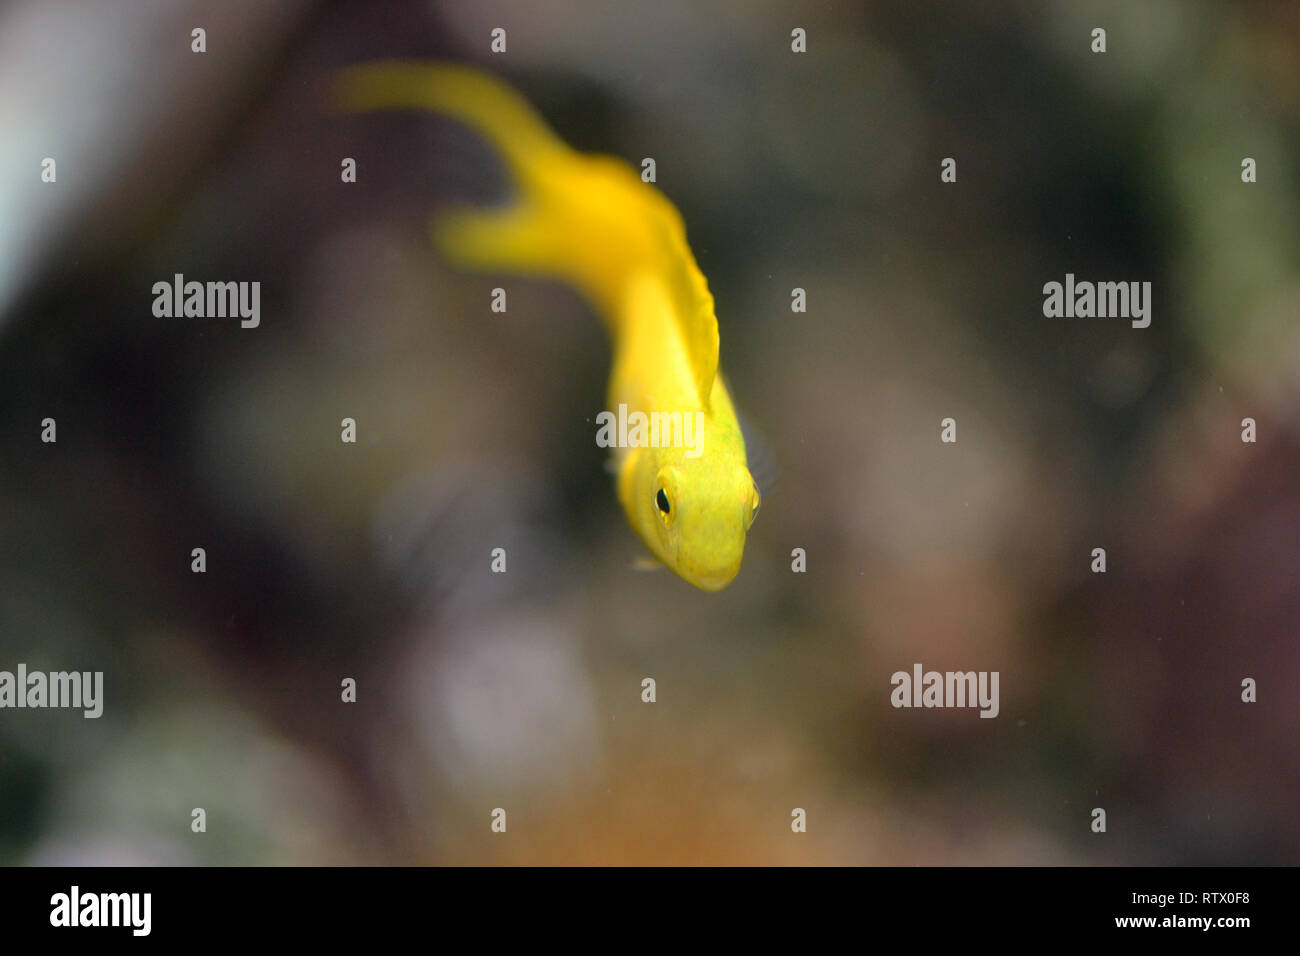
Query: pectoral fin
{"type": "Point", "coordinates": [763, 463]}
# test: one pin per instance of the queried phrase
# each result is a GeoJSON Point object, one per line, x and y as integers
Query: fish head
{"type": "Point", "coordinates": [693, 512]}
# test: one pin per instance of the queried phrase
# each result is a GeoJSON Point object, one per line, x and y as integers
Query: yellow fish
{"type": "Point", "coordinates": [590, 221]}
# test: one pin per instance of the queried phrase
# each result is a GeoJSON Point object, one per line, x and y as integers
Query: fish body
{"type": "Point", "coordinates": [590, 221]}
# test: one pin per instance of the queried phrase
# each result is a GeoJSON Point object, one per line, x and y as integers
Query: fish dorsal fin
{"type": "Point", "coordinates": [674, 335]}
{"type": "Point", "coordinates": [700, 328]}
{"type": "Point", "coordinates": [692, 300]}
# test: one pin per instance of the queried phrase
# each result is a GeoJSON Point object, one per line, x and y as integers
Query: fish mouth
{"type": "Point", "coordinates": [712, 582]}
{"type": "Point", "coordinates": [705, 581]}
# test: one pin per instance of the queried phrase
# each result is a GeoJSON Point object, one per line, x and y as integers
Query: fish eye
{"type": "Point", "coordinates": [667, 496]}
{"type": "Point", "coordinates": [661, 499]}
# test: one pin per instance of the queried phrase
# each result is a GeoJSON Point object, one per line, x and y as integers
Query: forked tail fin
{"type": "Point", "coordinates": [588, 220]}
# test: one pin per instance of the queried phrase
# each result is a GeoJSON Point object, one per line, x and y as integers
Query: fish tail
{"type": "Point", "coordinates": [561, 221]}
{"type": "Point", "coordinates": [477, 99]}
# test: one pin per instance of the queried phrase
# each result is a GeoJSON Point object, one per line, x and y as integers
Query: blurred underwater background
{"type": "Point", "coordinates": [522, 690]}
